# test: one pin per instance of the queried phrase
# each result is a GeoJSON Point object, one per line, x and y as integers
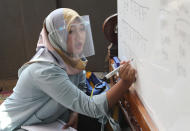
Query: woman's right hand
{"type": "Point", "coordinates": [127, 72]}
{"type": "Point", "coordinates": [127, 77]}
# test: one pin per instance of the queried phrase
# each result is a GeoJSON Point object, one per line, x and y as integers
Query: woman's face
{"type": "Point", "coordinates": [76, 38]}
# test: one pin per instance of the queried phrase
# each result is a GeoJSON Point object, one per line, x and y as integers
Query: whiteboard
{"type": "Point", "coordinates": [156, 35]}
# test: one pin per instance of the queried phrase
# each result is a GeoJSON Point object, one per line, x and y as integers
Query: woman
{"type": "Point", "coordinates": [51, 84]}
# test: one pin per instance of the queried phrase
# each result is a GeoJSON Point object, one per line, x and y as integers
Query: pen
{"type": "Point", "coordinates": [106, 77]}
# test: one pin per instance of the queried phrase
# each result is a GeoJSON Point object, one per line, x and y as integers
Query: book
{"type": "Point", "coordinates": [55, 126]}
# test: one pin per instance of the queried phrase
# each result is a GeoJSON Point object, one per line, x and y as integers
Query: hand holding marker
{"type": "Point", "coordinates": [106, 77]}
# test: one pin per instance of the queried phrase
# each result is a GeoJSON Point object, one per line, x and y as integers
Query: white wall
{"type": "Point", "coordinates": [156, 34]}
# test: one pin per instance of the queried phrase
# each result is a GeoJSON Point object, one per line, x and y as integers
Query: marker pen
{"type": "Point", "coordinates": [106, 77]}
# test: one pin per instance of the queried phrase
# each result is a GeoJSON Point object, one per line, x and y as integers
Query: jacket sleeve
{"type": "Point", "coordinates": [54, 82]}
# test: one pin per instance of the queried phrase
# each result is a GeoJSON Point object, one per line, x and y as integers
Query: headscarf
{"type": "Point", "coordinates": [50, 44]}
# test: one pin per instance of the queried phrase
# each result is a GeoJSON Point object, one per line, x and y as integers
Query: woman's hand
{"type": "Point", "coordinates": [73, 121]}
{"type": "Point", "coordinates": [127, 73]}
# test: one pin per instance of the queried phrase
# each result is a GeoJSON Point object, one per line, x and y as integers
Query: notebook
{"type": "Point", "coordinates": [55, 126]}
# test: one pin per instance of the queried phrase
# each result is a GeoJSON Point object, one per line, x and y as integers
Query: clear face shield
{"type": "Point", "coordinates": [74, 39]}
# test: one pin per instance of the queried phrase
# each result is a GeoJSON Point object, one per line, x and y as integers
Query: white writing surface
{"type": "Point", "coordinates": [156, 35]}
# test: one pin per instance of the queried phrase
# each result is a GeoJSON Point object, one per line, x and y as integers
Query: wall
{"type": "Point", "coordinates": [155, 34]}
{"type": "Point", "coordinates": [21, 22]}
